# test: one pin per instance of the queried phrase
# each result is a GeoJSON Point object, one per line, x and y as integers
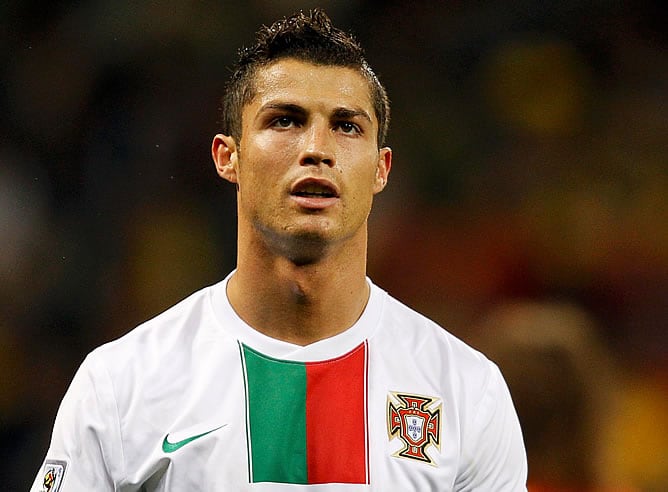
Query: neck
{"type": "Point", "coordinates": [298, 302]}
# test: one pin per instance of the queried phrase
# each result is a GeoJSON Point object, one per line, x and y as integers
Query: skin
{"type": "Point", "coordinates": [301, 262]}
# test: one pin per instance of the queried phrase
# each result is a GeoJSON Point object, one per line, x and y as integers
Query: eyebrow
{"type": "Point", "coordinates": [283, 107]}
{"type": "Point", "coordinates": [349, 114]}
{"type": "Point", "coordinates": [296, 109]}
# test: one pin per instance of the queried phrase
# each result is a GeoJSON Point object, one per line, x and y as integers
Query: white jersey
{"type": "Point", "coordinates": [197, 400]}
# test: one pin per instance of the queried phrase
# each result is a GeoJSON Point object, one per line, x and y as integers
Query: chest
{"type": "Point", "coordinates": [363, 421]}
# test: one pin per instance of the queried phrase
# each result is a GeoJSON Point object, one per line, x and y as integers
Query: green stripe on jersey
{"type": "Point", "coordinates": [277, 418]}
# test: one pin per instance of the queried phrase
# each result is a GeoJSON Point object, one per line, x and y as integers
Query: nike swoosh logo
{"type": "Point", "coordinates": [170, 447]}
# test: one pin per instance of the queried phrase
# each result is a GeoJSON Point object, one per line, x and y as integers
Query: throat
{"type": "Point", "coordinates": [298, 305]}
{"type": "Point", "coordinates": [299, 296]}
{"type": "Point", "coordinates": [313, 313]}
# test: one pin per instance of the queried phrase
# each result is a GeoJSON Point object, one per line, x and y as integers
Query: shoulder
{"type": "Point", "coordinates": [156, 355]}
{"type": "Point", "coordinates": [413, 346]}
{"type": "Point", "coordinates": [161, 335]}
{"type": "Point", "coordinates": [418, 356]}
{"type": "Point", "coordinates": [418, 334]}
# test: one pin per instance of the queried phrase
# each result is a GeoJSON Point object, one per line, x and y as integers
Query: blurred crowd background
{"type": "Point", "coordinates": [526, 210]}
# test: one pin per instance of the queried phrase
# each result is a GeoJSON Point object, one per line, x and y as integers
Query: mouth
{"type": "Point", "coordinates": [314, 194]}
{"type": "Point", "coordinates": [314, 188]}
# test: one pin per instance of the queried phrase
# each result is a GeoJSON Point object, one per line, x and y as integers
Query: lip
{"type": "Point", "coordinates": [314, 202]}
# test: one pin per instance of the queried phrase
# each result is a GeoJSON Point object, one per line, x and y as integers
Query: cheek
{"type": "Point", "coordinates": [261, 158]}
{"type": "Point", "coordinates": [363, 166]}
{"type": "Point", "coordinates": [361, 187]}
{"type": "Point", "coordinates": [263, 142]}
{"type": "Point", "coordinates": [269, 153]}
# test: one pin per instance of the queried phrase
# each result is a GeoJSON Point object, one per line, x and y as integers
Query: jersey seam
{"type": "Point", "coordinates": [338, 358]}
{"type": "Point", "coordinates": [118, 421]}
{"type": "Point", "coordinates": [465, 474]}
{"type": "Point", "coordinates": [382, 301]}
{"type": "Point", "coordinates": [484, 395]}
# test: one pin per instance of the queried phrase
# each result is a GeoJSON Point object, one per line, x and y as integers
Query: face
{"type": "Point", "coordinates": [307, 165]}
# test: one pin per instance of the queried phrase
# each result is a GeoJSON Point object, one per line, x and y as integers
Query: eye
{"type": "Point", "coordinates": [283, 122]}
{"type": "Point", "coordinates": [348, 127]}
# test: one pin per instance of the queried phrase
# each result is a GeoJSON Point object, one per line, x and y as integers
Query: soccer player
{"type": "Point", "coordinates": [295, 372]}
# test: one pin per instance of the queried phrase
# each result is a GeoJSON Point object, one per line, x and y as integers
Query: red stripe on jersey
{"type": "Point", "coordinates": [336, 419]}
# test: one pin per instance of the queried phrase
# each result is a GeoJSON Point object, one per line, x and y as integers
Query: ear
{"type": "Point", "coordinates": [382, 169]}
{"type": "Point", "coordinates": [225, 157]}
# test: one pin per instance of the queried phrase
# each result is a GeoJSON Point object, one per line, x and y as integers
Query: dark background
{"type": "Point", "coordinates": [530, 175]}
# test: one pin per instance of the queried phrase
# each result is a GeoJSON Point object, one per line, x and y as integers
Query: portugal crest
{"type": "Point", "coordinates": [416, 420]}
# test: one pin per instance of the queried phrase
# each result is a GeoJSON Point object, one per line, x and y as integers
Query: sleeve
{"type": "Point", "coordinates": [494, 457]}
{"type": "Point", "coordinates": [85, 452]}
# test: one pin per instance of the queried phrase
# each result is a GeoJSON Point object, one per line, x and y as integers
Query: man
{"type": "Point", "coordinates": [295, 372]}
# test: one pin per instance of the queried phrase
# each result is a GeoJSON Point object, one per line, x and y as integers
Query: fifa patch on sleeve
{"type": "Point", "coordinates": [54, 473]}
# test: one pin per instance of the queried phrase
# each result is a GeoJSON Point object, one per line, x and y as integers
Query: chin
{"type": "Point", "coordinates": [302, 246]}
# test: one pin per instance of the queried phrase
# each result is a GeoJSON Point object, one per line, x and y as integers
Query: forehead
{"type": "Point", "coordinates": [310, 84]}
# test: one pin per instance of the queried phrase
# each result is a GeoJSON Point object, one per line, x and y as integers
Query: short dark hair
{"type": "Point", "coordinates": [307, 37]}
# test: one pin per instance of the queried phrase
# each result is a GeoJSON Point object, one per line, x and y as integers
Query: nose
{"type": "Point", "coordinates": [318, 146]}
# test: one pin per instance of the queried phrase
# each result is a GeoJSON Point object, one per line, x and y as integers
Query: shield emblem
{"type": "Point", "coordinates": [415, 428]}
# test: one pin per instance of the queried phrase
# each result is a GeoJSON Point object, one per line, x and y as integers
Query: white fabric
{"type": "Point", "coordinates": [180, 374]}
